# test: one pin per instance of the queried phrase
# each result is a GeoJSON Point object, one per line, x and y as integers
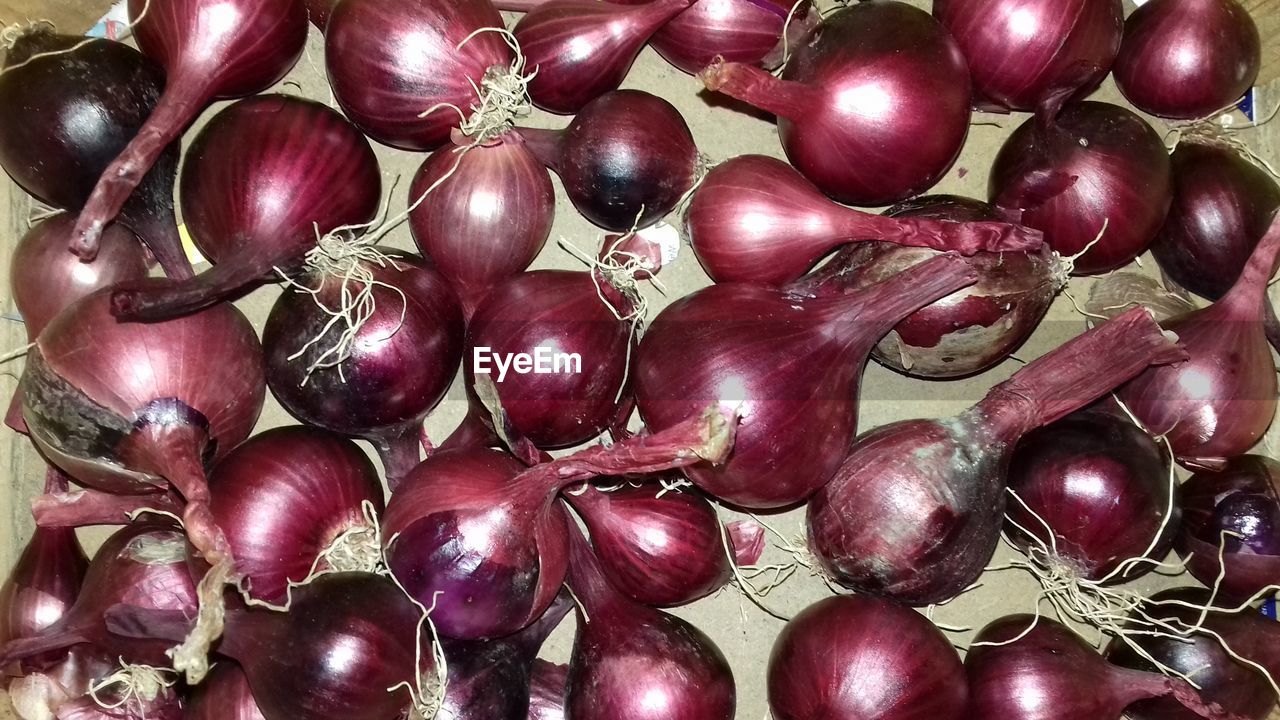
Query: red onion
{"type": "Point", "coordinates": [81, 103]}
{"type": "Point", "coordinates": [1101, 486]}
{"type": "Point", "coordinates": [1019, 50]}
{"type": "Point", "coordinates": [660, 547]}
{"type": "Point", "coordinates": [547, 686]}
{"type": "Point", "coordinates": [1082, 173]}
{"type": "Point", "coordinates": [794, 365]}
{"type": "Point", "coordinates": [477, 535]}
{"type": "Point", "coordinates": [1234, 515]}
{"type": "Point", "coordinates": [625, 160]}
{"type": "Point", "coordinates": [1202, 655]}
{"type": "Point", "coordinates": [561, 313]}
{"type": "Point", "coordinates": [1187, 59]}
{"type": "Point", "coordinates": [323, 480]}
{"type": "Point", "coordinates": [582, 49]}
{"type": "Point", "coordinates": [44, 278]}
{"type": "Point", "coordinates": [1049, 673]}
{"type": "Point", "coordinates": [631, 661]}
{"type": "Point", "coordinates": [389, 62]}
{"type": "Point", "coordinates": [263, 181]}
{"type": "Point", "coordinates": [856, 656]}
{"type": "Point", "coordinates": [142, 565]}
{"type": "Point", "coordinates": [756, 219]}
{"type": "Point", "coordinates": [873, 106]}
{"type": "Point", "coordinates": [224, 695]}
{"type": "Point", "coordinates": [137, 694]}
{"type": "Point", "coordinates": [46, 580]}
{"type": "Point", "coordinates": [375, 380]}
{"type": "Point", "coordinates": [486, 222]}
{"type": "Point", "coordinates": [1218, 404]}
{"type": "Point", "coordinates": [209, 49]}
{"type": "Point", "coordinates": [38, 695]}
{"type": "Point", "coordinates": [922, 531]}
{"type": "Point", "coordinates": [969, 330]}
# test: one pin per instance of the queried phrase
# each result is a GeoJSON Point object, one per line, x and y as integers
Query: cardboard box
{"type": "Point", "coordinates": [743, 631]}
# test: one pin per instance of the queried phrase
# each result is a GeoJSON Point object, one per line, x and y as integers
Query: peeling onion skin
{"type": "Point", "coordinates": [1244, 500]}
{"type": "Point", "coordinates": [1017, 50]}
{"type": "Point", "coordinates": [1102, 485]}
{"type": "Point", "coordinates": [116, 703]}
{"type": "Point", "coordinates": [857, 656]}
{"type": "Point", "coordinates": [1187, 59]}
{"type": "Point", "coordinates": [389, 61]}
{"type": "Point", "coordinates": [1074, 166]}
{"type": "Point", "coordinates": [1238, 688]}
{"type": "Point", "coordinates": [224, 695]}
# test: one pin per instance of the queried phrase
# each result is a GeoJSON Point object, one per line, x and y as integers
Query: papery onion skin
{"type": "Point", "coordinates": [224, 695]}
{"type": "Point", "coordinates": [81, 103]}
{"type": "Point", "coordinates": [1017, 50]}
{"type": "Point", "coordinates": [910, 113]}
{"type": "Point", "coordinates": [1073, 168]}
{"type": "Point", "coordinates": [547, 686]}
{"type": "Point", "coordinates": [1187, 59]}
{"type": "Point", "coordinates": [324, 481]}
{"type": "Point", "coordinates": [119, 702]}
{"type": "Point", "coordinates": [250, 46]}
{"type": "Point", "coordinates": [488, 220]}
{"type": "Point", "coordinates": [1102, 486]}
{"type": "Point", "coordinates": [736, 30]}
{"type": "Point", "coordinates": [1237, 509]}
{"type": "Point", "coordinates": [1238, 688]}
{"type": "Point", "coordinates": [388, 62]}
{"type": "Point", "coordinates": [856, 656]}
{"type": "Point", "coordinates": [625, 160]}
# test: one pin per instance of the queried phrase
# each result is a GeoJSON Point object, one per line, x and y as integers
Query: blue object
{"type": "Point", "coordinates": [1246, 104]}
{"type": "Point", "coordinates": [1269, 608]}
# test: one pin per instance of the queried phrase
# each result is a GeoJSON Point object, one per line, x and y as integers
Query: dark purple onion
{"type": "Point", "coordinates": [1236, 512]}
{"type": "Point", "coordinates": [857, 656]}
{"type": "Point", "coordinates": [1187, 59]}
{"type": "Point", "coordinates": [546, 690]}
{"type": "Point", "coordinates": [224, 695]}
{"type": "Point", "coordinates": [625, 160]}
{"type": "Point", "coordinates": [873, 106]}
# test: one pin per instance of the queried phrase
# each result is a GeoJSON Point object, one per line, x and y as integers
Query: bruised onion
{"type": "Point", "coordinates": [224, 695]}
{"type": "Point", "coordinates": [794, 365]}
{"type": "Point", "coordinates": [873, 106]}
{"type": "Point", "coordinates": [625, 160]}
{"type": "Point", "coordinates": [1019, 50]}
{"type": "Point", "coordinates": [631, 662]}
{"type": "Point", "coordinates": [756, 219]}
{"type": "Point", "coordinates": [1187, 59]}
{"type": "Point", "coordinates": [856, 656]}
{"type": "Point", "coordinates": [264, 180]}
{"type": "Point", "coordinates": [1233, 514]}
{"type": "Point", "coordinates": [81, 102]}
{"type": "Point", "coordinates": [1093, 176]}
{"type": "Point", "coordinates": [1219, 403]}
{"type": "Point", "coordinates": [944, 508]}
{"type": "Point", "coordinates": [209, 49]}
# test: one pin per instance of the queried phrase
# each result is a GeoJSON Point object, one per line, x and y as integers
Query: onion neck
{"type": "Point", "coordinates": [966, 238]}
{"type": "Point", "coordinates": [152, 299]}
{"type": "Point", "coordinates": [544, 144]}
{"type": "Point", "coordinates": [588, 583]}
{"type": "Point", "coordinates": [784, 98]}
{"type": "Point", "coordinates": [85, 507]}
{"type": "Point", "coordinates": [472, 433]}
{"type": "Point", "coordinates": [1127, 686]}
{"type": "Point", "coordinates": [1247, 298]}
{"type": "Point", "coordinates": [400, 451]}
{"type": "Point", "coordinates": [158, 230]}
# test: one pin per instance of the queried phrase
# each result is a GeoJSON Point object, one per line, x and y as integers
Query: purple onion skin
{"type": "Point", "coordinates": [390, 61]}
{"type": "Point", "coordinates": [43, 585]}
{"type": "Point", "coordinates": [1051, 674]}
{"type": "Point", "coordinates": [223, 695]}
{"type": "Point", "coordinates": [1069, 170]}
{"type": "Point", "coordinates": [488, 221]}
{"type": "Point", "coordinates": [553, 36]}
{"type": "Point", "coordinates": [250, 46]}
{"type": "Point", "coordinates": [1102, 485]}
{"type": "Point", "coordinates": [1222, 206]}
{"type": "Point", "coordinates": [398, 371]}
{"type": "Point", "coordinates": [1018, 50]}
{"type": "Point", "coordinates": [631, 662]}
{"type": "Point", "coordinates": [662, 551]}
{"type": "Point", "coordinates": [971, 329]}
{"type": "Point", "coordinates": [563, 310]}
{"type": "Point", "coordinates": [79, 109]}
{"type": "Point", "coordinates": [907, 129]}
{"type": "Point", "coordinates": [856, 656]}
{"type": "Point", "coordinates": [321, 478]}
{"type": "Point", "coordinates": [625, 160]}
{"type": "Point", "coordinates": [546, 690]}
{"type": "Point", "coordinates": [737, 30]}
{"type": "Point", "coordinates": [42, 692]}
{"type": "Point", "coordinates": [1238, 688]}
{"type": "Point", "coordinates": [1186, 59]}
{"type": "Point", "coordinates": [263, 180]}
{"type": "Point", "coordinates": [1244, 500]}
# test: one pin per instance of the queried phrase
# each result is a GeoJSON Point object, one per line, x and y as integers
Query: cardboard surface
{"type": "Point", "coordinates": [68, 15]}
{"type": "Point", "coordinates": [743, 631]}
